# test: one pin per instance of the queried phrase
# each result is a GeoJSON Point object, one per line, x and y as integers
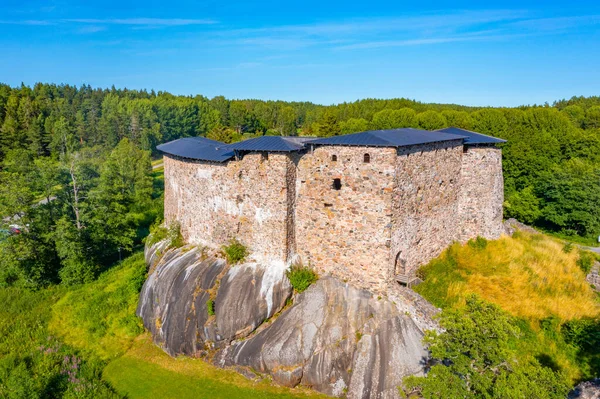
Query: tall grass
{"type": "Point", "coordinates": [528, 275]}
{"type": "Point", "coordinates": [99, 317]}
{"type": "Point", "coordinates": [33, 362]}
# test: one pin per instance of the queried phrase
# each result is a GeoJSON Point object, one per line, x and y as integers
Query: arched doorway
{"type": "Point", "coordinates": [400, 264]}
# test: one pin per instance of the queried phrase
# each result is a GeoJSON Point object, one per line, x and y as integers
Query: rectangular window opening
{"type": "Point", "coordinates": [337, 184]}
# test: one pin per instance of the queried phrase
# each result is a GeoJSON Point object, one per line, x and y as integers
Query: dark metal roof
{"type": "Point", "coordinates": [472, 137]}
{"type": "Point", "coordinates": [199, 148]}
{"type": "Point", "coordinates": [268, 143]}
{"type": "Point", "coordinates": [205, 149]}
{"type": "Point", "coordinates": [388, 138]}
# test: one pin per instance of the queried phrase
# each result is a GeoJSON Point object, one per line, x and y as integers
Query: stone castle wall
{"type": "Point", "coordinates": [425, 204]}
{"type": "Point", "coordinates": [389, 216]}
{"type": "Point", "coordinates": [346, 232]}
{"type": "Point", "coordinates": [245, 199]}
{"type": "Point", "coordinates": [482, 193]}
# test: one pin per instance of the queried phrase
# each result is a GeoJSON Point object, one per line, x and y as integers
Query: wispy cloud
{"type": "Point", "coordinates": [556, 23]}
{"type": "Point", "coordinates": [96, 25]}
{"type": "Point", "coordinates": [143, 21]}
{"type": "Point", "coordinates": [91, 29]}
{"type": "Point", "coordinates": [410, 30]}
{"type": "Point", "coordinates": [30, 22]}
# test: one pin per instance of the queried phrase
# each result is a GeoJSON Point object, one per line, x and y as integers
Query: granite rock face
{"type": "Point", "coordinates": [248, 295]}
{"type": "Point", "coordinates": [335, 338]}
{"type": "Point", "coordinates": [174, 299]}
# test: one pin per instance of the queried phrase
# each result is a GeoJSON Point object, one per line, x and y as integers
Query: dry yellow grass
{"type": "Point", "coordinates": [528, 275]}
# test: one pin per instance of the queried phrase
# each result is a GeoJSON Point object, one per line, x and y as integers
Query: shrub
{"type": "Point", "coordinates": [172, 233]}
{"type": "Point", "coordinates": [235, 251]}
{"type": "Point", "coordinates": [476, 356]}
{"type": "Point", "coordinates": [35, 364]}
{"type": "Point", "coordinates": [210, 307]}
{"type": "Point", "coordinates": [301, 277]}
{"type": "Point", "coordinates": [478, 243]}
{"type": "Point", "coordinates": [568, 247]}
{"type": "Point", "coordinates": [585, 261]}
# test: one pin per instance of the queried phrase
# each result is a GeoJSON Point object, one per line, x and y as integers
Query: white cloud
{"type": "Point", "coordinates": [143, 21]}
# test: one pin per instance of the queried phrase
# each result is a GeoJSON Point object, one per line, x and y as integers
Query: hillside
{"type": "Point", "coordinates": [539, 282]}
{"type": "Point", "coordinates": [530, 275]}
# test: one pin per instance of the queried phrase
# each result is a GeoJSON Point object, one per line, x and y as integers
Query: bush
{"type": "Point", "coordinates": [34, 364]}
{"type": "Point", "coordinates": [210, 307]}
{"type": "Point", "coordinates": [478, 243]}
{"type": "Point", "coordinates": [235, 251]}
{"type": "Point", "coordinates": [476, 356]}
{"type": "Point", "coordinates": [172, 233]}
{"type": "Point", "coordinates": [568, 247]}
{"type": "Point", "coordinates": [585, 261]}
{"type": "Point", "coordinates": [301, 277]}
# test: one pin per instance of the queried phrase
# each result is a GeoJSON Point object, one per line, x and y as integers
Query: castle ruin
{"type": "Point", "coordinates": [368, 207]}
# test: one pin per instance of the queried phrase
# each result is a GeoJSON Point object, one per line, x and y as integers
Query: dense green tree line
{"type": "Point", "coordinates": [78, 212]}
{"type": "Point", "coordinates": [551, 160]}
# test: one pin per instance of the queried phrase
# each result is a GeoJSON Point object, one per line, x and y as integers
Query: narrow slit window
{"type": "Point", "coordinates": [367, 158]}
{"type": "Point", "coordinates": [465, 149]}
{"type": "Point", "coordinates": [334, 158]}
{"type": "Point", "coordinates": [337, 184]}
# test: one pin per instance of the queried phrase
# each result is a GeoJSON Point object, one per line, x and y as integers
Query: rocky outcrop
{"type": "Point", "coordinates": [593, 276]}
{"type": "Point", "coordinates": [335, 338]}
{"type": "Point", "coordinates": [248, 295]}
{"type": "Point", "coordinates": [511, 225]}
{"type": "Point", "coordinates": [175, 298]}
{"type": "Point", "coordinates": [586, 390]}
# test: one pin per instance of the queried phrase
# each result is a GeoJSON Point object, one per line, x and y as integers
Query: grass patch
{"type": "Point", "coordinates": [145, 371]}
{"type": "Point", "coordinates": [210, 307]}
{"type": "Point", "coordinates": [301, 277]}
{"type": "Point", "coordinates": [528, 275]}
{"type": "Point", "coordinates": [585, 261]}
{"type": "Point", "coordinates": [235, 251]}
{"type": "Point", "coordinates": [587, 241]}
{"type": "Point", "coordinates": [99, 317]}
{"type": "Point", "coordinates": [159, 232]}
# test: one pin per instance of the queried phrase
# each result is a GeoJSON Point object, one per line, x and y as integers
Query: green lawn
{"type": "Point", "coordinates": [147, 372]}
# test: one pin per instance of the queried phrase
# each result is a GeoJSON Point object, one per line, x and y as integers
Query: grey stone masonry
{"type": "Point", "coordinates": [362, 214]}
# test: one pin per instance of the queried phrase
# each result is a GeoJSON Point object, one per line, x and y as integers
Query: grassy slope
{"type": "Point", "coordinates": [147, 372]}
{"type": "Point", "coordinates": [528, 275]}
{"type": "Point", "coordinates": [532, 278]}
{"type": "Point", "coordinates": [99, 319]}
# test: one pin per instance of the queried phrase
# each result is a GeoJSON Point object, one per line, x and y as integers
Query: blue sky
{"type": "Point", "coordinates": [466, 52]}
